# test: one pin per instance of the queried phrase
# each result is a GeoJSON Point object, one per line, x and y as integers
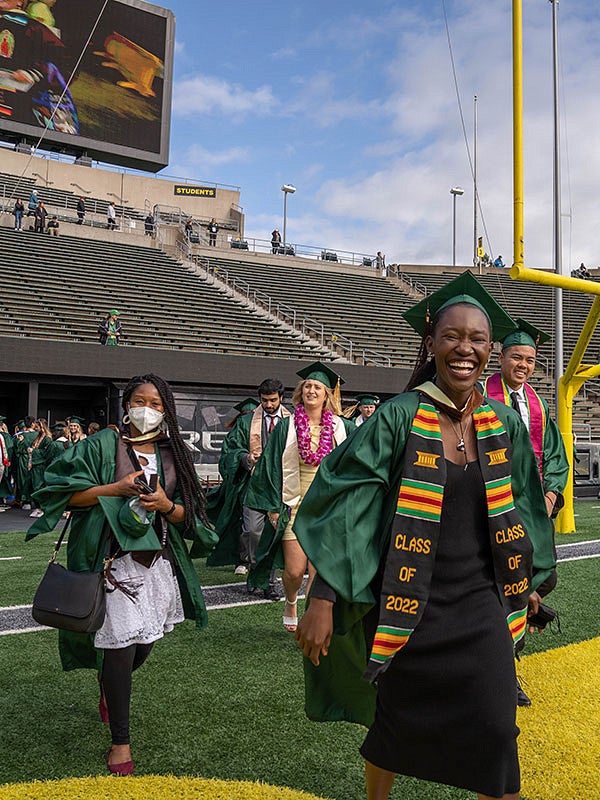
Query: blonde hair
{"type": "Point", "coordinates": [329, 403]}
{"type": "Point", "coordinates": [44, 431]}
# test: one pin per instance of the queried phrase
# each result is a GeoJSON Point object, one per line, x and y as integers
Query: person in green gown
{"type": "Point", "coordinates": [38, 459]}
{"type": "Point", "coordinates": [6, 454]}
{"type": "Point", "coordinates": [429, 534]}
{"type": "Point", "coordinates": [136, 497]}
{"type": "Point", "coordinates": [284, 472]}
{"type": "Point", "coordinates": [24, 438]}
{"type": "Point", "coordinates": [60, 441]}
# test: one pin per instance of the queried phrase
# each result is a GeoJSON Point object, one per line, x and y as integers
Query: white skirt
{"type": "Point", "coordinates": [146, 618]}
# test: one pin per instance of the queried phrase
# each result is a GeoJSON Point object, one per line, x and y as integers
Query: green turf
{"type": "Point", "coordinates": [19, 579]}
{"type": "Point", "coordinates": [225, 702]}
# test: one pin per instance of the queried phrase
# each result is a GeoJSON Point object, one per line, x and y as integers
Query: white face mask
{"type": "Point", "coordinates": [145, 419]}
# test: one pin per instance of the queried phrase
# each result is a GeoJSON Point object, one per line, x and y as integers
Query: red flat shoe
{"type": "Point", "coordinates": [126, 768]}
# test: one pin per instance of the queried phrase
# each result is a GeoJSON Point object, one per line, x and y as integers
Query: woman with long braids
{"type": "Point", "coordinates": [429, 534]}
{"type": "Point", "coordinates": [134, 496]}
{"type": "Point", "coordinates": [283, 474]}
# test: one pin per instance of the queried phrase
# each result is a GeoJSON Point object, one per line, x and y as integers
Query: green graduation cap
{"type": "Point", "coordinates": [464, 289]}
{"type": "Point", "coordinates": [246, 405]}
{"type": "Point", "coordinates": [75, 418]}
{"type": "Point", "coordinates": [2, 418]}
{"type": "Point", "coordinates": [526, 334]}
{"type": "Point", "coordinates": [317, 371]}
{"type": "Point", "coordinates": [59, 425]}
{"type": "Point", "coordinates": [21, 424]}
{"type": "Point", "coordinates": [367, 399]}
{"type": "Point", "coordinates": [114, 312]}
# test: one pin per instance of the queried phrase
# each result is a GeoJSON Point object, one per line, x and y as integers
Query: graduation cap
{"type": "Point", "coordinates": [114, 313]}
{"type": "Point", "coordinates": [367, 400]}
{"type": "Point", "coordinates": [59, 425]}
{"type": "Point", "coordinates": [526, 334]}
{"type": "Point", "coordinates": [2, 418]}
{"type": "Point", "coordinates": [20, 424]}
{"type": "Point", "coordinates": [317, 371]}
{"type": "Point", "coordinates": [248, 404]}
{"type": "Point", "coordinates": [76, 419]}
{"type": "Point", "coordinates": [464, 289]}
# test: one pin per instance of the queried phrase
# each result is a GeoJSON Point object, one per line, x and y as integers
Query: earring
{"type": "Point", "coordinates": [126, 419]}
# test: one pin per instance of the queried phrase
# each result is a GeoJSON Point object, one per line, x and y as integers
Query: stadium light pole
{"type": "Point", "coordinates": [287, 188]}
{"type": "Point", "coordinates": [455, 191]}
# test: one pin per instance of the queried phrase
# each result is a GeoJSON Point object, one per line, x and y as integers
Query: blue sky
{"type": "Point", "coordinates": [355, 105]}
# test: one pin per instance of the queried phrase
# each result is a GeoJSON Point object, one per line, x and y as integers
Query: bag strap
{"type": "Point", "coordinates": [60, 539]}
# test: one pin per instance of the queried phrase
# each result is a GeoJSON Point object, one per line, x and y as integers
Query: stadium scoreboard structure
{"type": "Point", "coordinates": [117, 108]}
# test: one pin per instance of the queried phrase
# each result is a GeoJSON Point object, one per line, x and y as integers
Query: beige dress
{"type": "Point", "coordinates": [307, 474]}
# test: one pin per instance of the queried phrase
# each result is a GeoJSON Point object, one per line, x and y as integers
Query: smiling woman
{"type": "Point", "coordinates": [412, 510]}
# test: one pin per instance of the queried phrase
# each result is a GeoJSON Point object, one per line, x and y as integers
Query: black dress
{"type": "Point", "coordinates": [446, 706]}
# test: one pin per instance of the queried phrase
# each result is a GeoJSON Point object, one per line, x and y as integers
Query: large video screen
{"type": "Point", "coordinates": [117, 106]}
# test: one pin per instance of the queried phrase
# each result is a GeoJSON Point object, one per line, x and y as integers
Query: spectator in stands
{"type": "Point", "coordinates": [149, 225]}
{"type": "Point", "coordinates": [380, 264]}
{"type": "Point", "coordinates": [510, 386]}
{"type": "Point", "coordinates": [102, 335]}
{"type": "Point", "coordinates": [581, 272]}
{"type": "Point", "coordinates": [238, 526]}
{"type": "Point", "coordinates": [283, 475]}
{"type": "Point", "coordinates": [112, 330]}
{"type": "Point", "coordinates": [213, 229]}
{"type": "Point", "coordinates": [499, 263]}
{"type": "Point", "coordinates": [40, 217]}
{"type": "Point", "coordinates": [54, 226]}
{"type": "Point", "coordinates": [154, 584]}
{"type": "Point", "coordinates": [76, 433]}
{"type": "Point", "coordinates": [399, 516]}
{"type": "Point", "coordinates": [111, 217]}
{"type": "Point", "coordinates": [275, 241]}
{"type": "Point", "coordinates": [80, 210]}
{"type": "Point", "coordinates": [188, 228]}
{"type": "Point", "coordinates": [32, 204]}
{"type": "Point", "coordinates": [92, 428]}
{"type": "Point", "coordinates": [18, 212]}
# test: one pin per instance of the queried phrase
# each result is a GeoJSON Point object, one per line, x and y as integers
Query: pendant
{"type": "Point", "coordinates": [461, 446]}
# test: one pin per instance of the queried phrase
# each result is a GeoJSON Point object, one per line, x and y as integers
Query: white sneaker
{"type": "Point", "coordinates": [37, 512]}
{"type": "Point", "coordinates": [241, 569]}
{"type": "Point", "coordinates": [26, 506]}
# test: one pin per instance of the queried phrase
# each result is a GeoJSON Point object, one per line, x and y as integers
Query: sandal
{"type": "Point", "coordinates": [291, 623]}
{"type": "Point", "coordinates": [123, 769]}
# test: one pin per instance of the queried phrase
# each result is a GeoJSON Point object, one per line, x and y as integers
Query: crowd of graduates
{"type": "Point", "coordinates": [423, 524]}
{"type": "Point", "coordinates": [26, 453]}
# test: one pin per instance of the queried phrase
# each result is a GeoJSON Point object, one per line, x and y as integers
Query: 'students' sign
{"type": "Point", "coordinates": [185, 190]}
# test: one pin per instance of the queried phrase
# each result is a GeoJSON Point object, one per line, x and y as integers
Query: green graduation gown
{"type": "Point", "coordinates": [23, 473]}
{"type": "Point", "coordinates": [224, 507]}
{"type": "Point", "coordinates": [92, 463]}
{"type": "Point", "coordinates": [39, 461]}
{"type": "Point", "coordinates": [5, 485]}
{"type": "Point", "coordinates": [343, 526]}
{"type": "Point", "coordinates": [267, 491]}
{"type": "Point", "coordinates": [555, 466]}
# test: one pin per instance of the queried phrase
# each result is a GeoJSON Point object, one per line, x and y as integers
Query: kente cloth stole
{"type": "Point", "coordinates": [497, 389]}
{"type": "Point", "coordinates": [415, 532]}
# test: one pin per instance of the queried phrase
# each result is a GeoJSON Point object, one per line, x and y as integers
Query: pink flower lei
{"type": "Point", "coordinates": [302, 424]}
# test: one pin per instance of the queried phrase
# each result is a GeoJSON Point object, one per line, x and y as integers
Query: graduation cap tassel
{"type": "Point", "coordinates": [337, 398]}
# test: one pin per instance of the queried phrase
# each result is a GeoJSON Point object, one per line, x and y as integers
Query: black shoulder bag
{"type": "Point", "coordinates": [68, 600]}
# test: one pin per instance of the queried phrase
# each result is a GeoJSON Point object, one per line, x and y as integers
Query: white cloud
{"type": "Point", "coordinates": [202, 94]}
{"type": "Point", "coordinates": [196, 155]}
{"type": "Point", "coordinates": [317, 99]}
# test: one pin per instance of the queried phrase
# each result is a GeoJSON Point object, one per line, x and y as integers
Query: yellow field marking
{"type": "Point", "coordinates": [559, 745]}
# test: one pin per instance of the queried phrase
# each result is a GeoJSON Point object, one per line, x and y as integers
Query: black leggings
{"type": "Point", "coordinates": [116, 685]}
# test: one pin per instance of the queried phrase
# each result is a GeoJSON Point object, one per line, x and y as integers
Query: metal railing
{"type": "Point", "coordinates": [411, 283]}
{"type": "Point", "coordinates": [300, 322]}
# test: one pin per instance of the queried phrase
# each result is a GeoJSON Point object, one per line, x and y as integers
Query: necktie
{"type": "Point", "coordinates": [514, 401]}
{"type": "Point", "coordinates": [271, 424]}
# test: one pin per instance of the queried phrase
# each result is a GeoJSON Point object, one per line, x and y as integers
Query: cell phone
{"type": "Point", "coordinates": [144, 487]}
